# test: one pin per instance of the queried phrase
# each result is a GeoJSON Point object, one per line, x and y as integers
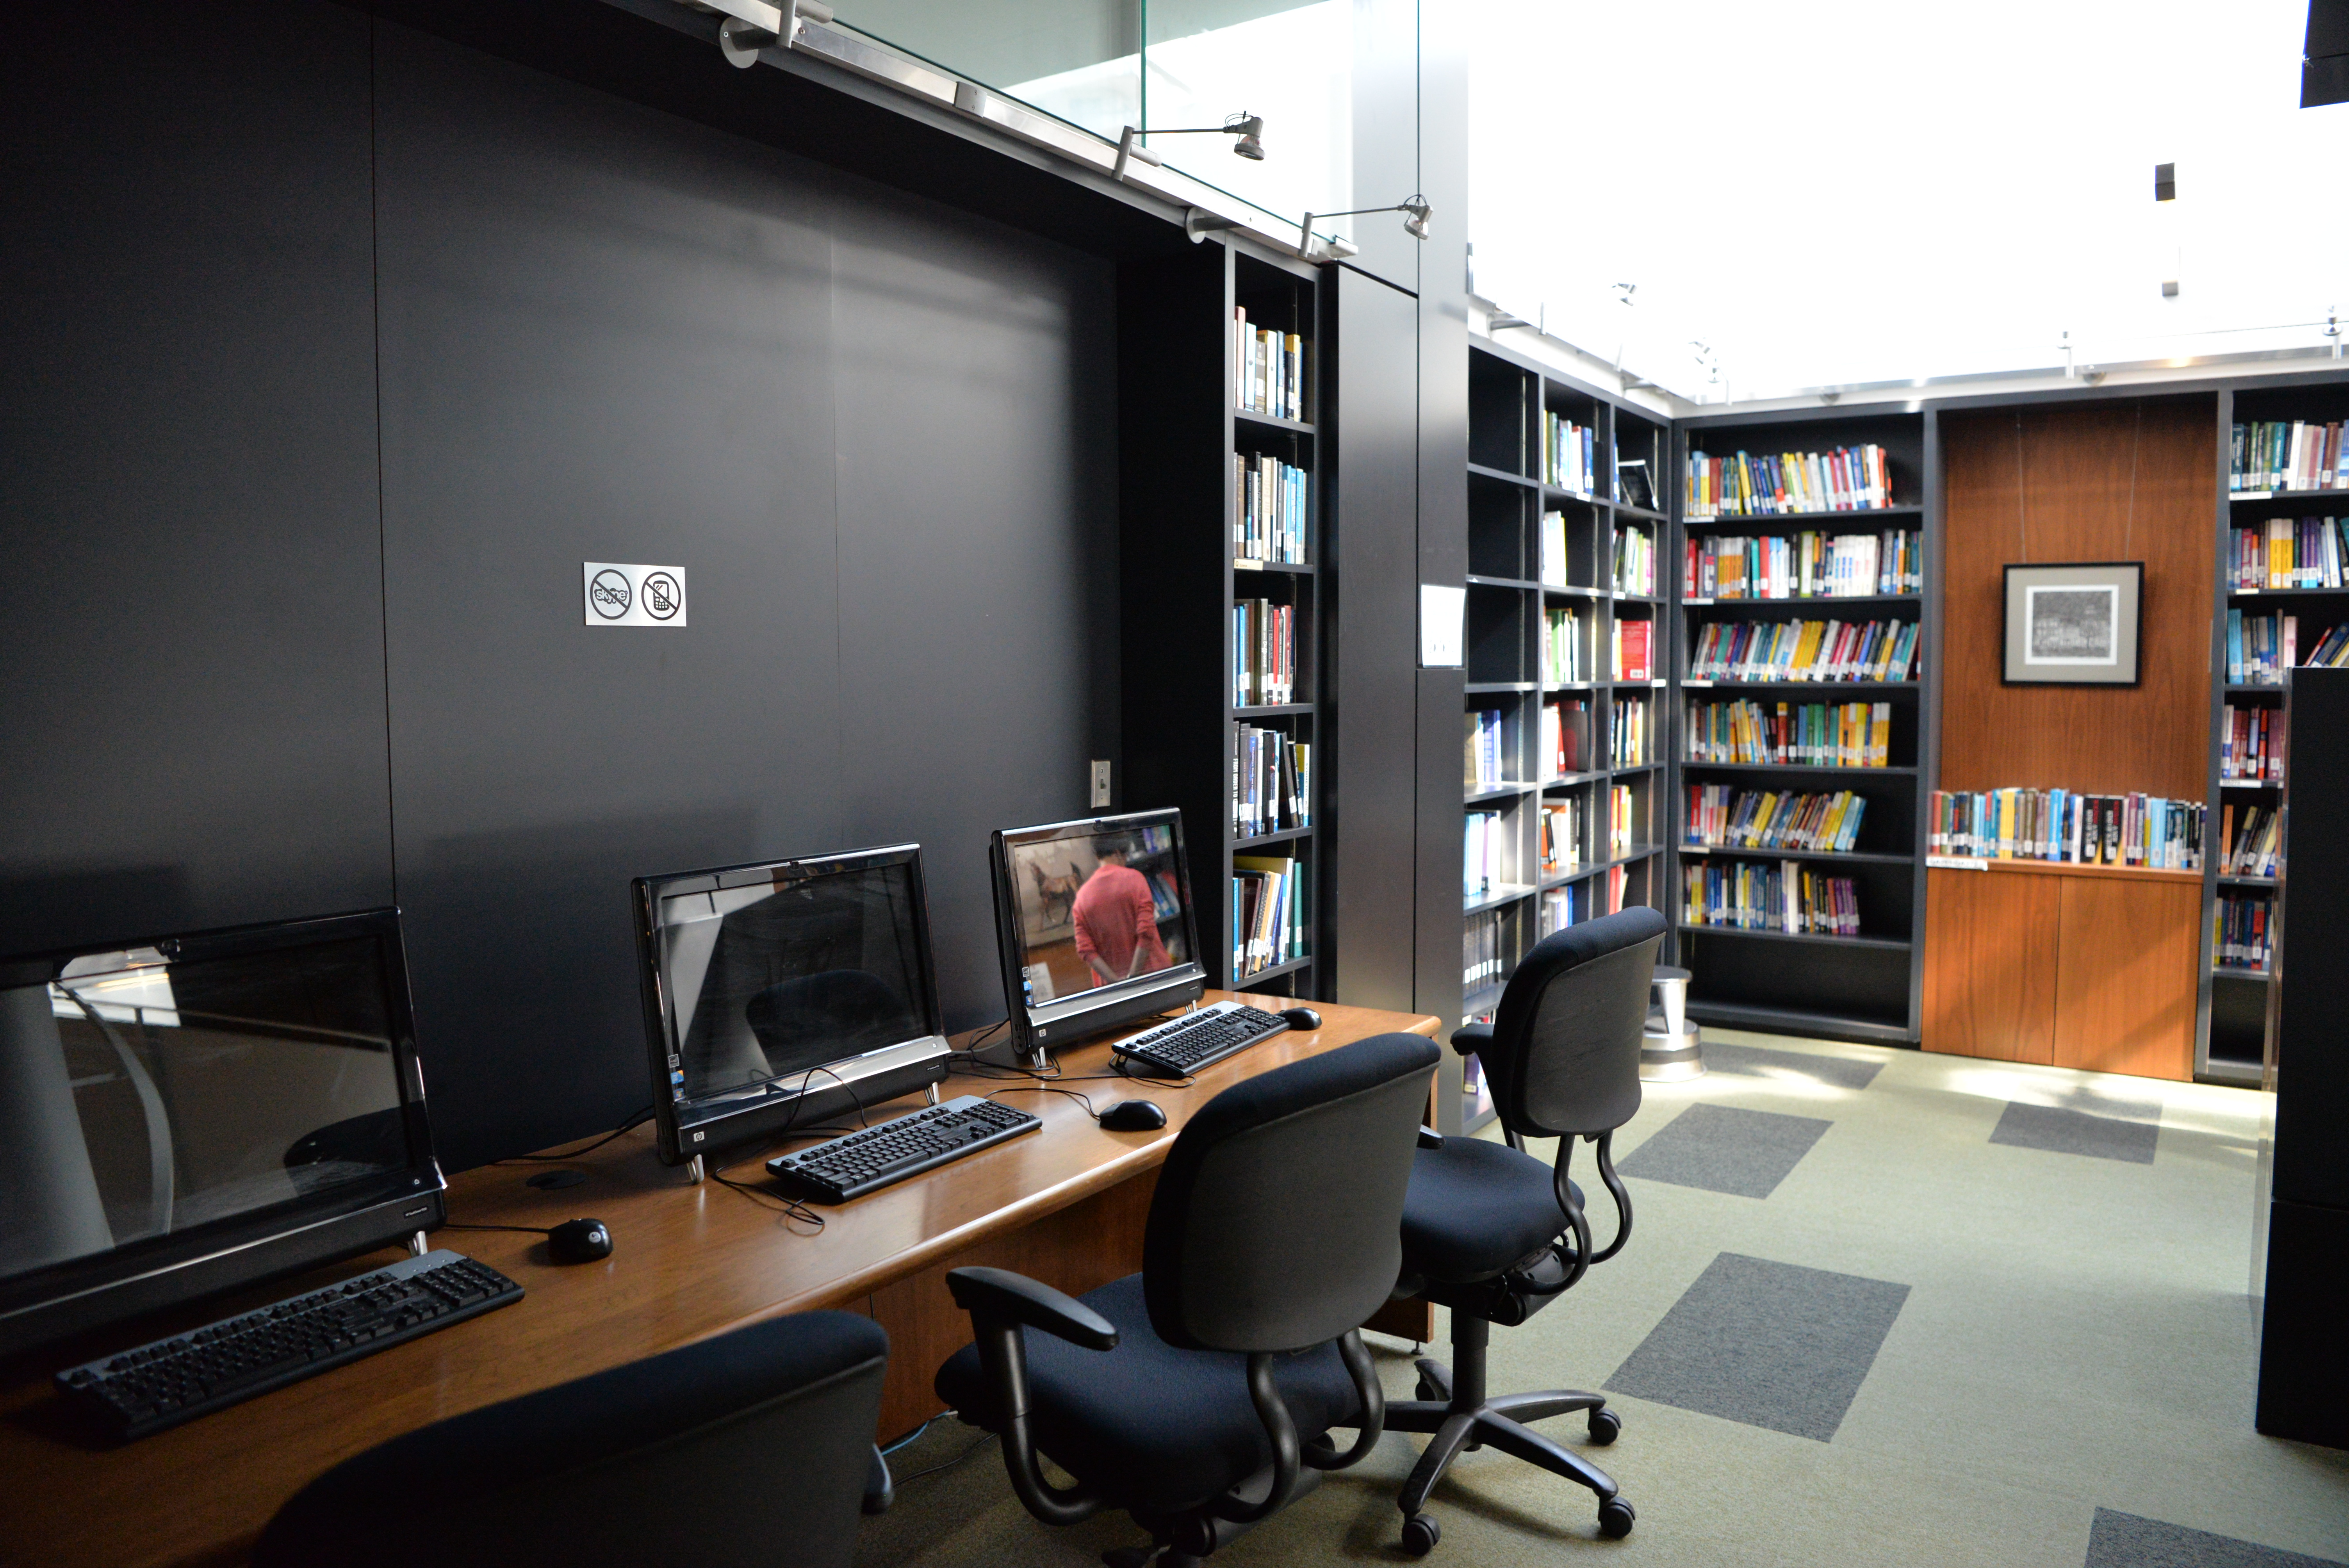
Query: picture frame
{"type": "Point", "coordinates": [2073, 624]}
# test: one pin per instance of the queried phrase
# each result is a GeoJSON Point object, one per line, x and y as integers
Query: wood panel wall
{"type": "Point", "coordinates": [2121, 481]}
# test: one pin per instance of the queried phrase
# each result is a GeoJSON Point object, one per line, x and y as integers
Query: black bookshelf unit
{"type": "Point", "coordinates": [1534, 585]}
{"type": "Point", "coordinates": [1184, 446]}
{"type": "Point", "coordinates": [2234, 1042]}
{"type": "Point", "coordinates": [1867, 987]}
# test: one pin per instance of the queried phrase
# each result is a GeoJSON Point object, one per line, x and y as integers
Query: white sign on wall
{"type": "Point", "coordinates": [622, 595]}
{"type": "Point", "coordinates": [1443, 612]}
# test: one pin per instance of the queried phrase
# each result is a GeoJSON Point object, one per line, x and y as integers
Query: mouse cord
{"type": "Point", "coordinates": [793, 1212]}
{"type": "Point", "coordinates": [1048, 1088]}
{"type": "Point", "coordinates": [526, 1230]}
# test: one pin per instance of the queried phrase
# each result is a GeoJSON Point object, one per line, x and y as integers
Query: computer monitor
{"type": "Point", "coordinates": [786, 993]}
{"type": "Point", "coordinates": [1095, 924]}
{"type": "Point", "coordinates": [184, 1114]}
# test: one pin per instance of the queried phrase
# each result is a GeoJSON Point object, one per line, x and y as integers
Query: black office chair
{"type": "Point", "coordinates": [749, 1449]}
{"type": "Point", "coordinates": [1491, 1234]}
{"type": "Point", "coordinates": [1198, 1395]}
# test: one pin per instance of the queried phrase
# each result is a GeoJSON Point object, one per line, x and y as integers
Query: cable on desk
{"type": "Point", "coordinates": [789, 1208]}
{"type": "Point", "coordinates": [635, 1121]}
{"type": "Point", "coordinates": [525, 1230]}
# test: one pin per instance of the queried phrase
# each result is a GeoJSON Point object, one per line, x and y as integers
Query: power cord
{"type": "Point", "coordinates": [635, 1121]}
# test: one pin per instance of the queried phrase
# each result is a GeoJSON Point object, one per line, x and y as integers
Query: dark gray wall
{"type": "Point", "coordinates": [191, 621]}
{"type": "Point", "coordinates": [878, 433]}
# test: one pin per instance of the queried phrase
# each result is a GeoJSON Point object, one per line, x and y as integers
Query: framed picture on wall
{"type": "Point", "coordinates": [2073, 625]}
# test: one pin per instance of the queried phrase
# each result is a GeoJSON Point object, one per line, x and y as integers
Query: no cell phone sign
{"type": "Point", "coordinates": [624, 595]}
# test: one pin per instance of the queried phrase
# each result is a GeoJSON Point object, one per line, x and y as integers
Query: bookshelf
{"type": "Point", "coordinates": [1866, 986]}
{"type": "Point", "coordinates": [2233, 1043]}
{"type": "Point", "coordinates": [1548, 602]}
{"type": "Point", "coordinates": [1192, 568]}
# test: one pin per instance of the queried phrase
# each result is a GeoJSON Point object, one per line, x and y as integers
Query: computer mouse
{"type": "Point", "coordinates": [579, 1242]}
{"type": "Point", "coordinates": [1133, 1115]}
{"type": "Point", "coordinates": [1300, 1018]}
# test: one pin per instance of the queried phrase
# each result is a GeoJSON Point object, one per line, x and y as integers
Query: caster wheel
{"type": "Point", "coordinates": [1420, 1534]}
{"type": "Point", "coordinates": [1615, 1517]}
{"type": "Point", "coordinates": [1606, 1426]}
{"type": "Point", "coordinates": [1427, 1393]}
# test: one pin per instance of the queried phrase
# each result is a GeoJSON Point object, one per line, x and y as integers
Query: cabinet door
{"type": "Point", "coordinates": [2124, 976]}
{"type": "Point", "coordinates": [1990, 965]}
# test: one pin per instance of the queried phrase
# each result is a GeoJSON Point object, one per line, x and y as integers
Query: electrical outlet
{"type": "Point", "coordinates": [1101, 781]}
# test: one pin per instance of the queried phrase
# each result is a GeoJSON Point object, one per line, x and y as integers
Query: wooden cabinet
{"type": "Point", "coordinates": [2070, 966]}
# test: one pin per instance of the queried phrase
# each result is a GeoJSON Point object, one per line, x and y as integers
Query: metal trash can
{"type": "Point", "coordinates": [1671, 1046]}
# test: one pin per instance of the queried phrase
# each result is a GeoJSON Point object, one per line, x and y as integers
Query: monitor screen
{"type": "Point", "coordinates": [1095, 925]}
{"type": "Point", "coordinates": [767, 979]}
{"type": "Point", "coordinates": [161, 1098]}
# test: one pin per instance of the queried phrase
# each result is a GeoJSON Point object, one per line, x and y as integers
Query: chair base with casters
{"type": "Point", "coordinates": [1671, 1048]}
{"type": "Point", "coordinates": [1488, 1187]}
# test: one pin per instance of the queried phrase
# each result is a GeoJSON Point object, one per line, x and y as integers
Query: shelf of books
{"type": "Point", "coordinates": [1563, 775]}
{"type": "Point", "coordinates": [1801, 728]}
{"type": "Point", "coordinates": [2284, 601]}
{"type": "Point", "coordinates": [1221, 564]}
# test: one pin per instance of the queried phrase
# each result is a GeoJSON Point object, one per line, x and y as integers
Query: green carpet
{"type": "Point", "coordinates": [2073, 1335]}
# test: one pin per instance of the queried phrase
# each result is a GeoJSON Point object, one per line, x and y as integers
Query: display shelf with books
{"type": "Point", "coordinates": [2282, 604]}
{"type": "Point", "coordinates": [1801, 647]}
{"type": "Point", "coordinates": [1569, 701]}
{"type": "Point", "coordinates": [1222, 530]}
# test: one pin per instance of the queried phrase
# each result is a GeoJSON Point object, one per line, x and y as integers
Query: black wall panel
{"type": "Point", "coordinates": [858, 421]}
{"type": "Point", "coordinates": [190, 623]}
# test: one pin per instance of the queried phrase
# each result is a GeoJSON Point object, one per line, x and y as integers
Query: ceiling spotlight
{"type": "Point", "coordinates": [1248, 128]}
{"type": "Point", "coordinates": [1416, 214]}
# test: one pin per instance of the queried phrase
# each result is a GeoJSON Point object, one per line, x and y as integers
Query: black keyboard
{"type": "Point", "coordinates": [859, 1162]}
{"type": "Point", "coordinates": [142, 1391]}
{"type": "Point", "coordinates": [1200, 1038]}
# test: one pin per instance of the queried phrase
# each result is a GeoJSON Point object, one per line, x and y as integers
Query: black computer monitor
{"type": "Point", "coordinates": [184, 1114]}
{"type": "Point", "coordinates": [786, 993]}
{"type": "Point", "coordinates": [1095, 924]}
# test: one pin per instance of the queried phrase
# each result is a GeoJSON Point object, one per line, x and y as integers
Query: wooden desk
{"type": "Point", "coordinates": [1065, 1205]}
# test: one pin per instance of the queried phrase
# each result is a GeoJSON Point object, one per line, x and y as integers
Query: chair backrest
{"type": "Point", "coordinates": [1278, 1221]}
{"type": "Point", "coordinates": [1564, 1056]}
{"type": "Point", "coordinates": [750, 1448]}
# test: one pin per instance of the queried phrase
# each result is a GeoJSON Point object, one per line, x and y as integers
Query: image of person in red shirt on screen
{"type": "Point", "coordinates": [1116, 921]}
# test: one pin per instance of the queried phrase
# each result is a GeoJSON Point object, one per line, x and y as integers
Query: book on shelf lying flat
{"type": "Point", "coordinates": [2064, 826]}
{"type": "Point", "coordinates": [2239, 936]}
{"type": "Point", "coordinates": [1268, 504]}
{"type": "Point", "coordinates": [2288, 455]}
{"type": "Point", "coordinates": [1264, 653]}
{"type": "Point", "coordinates": [1806, 565]}
{"type": "Point", "coordinates": [1757, 896]}
{"type": "Point", "coordinates": [2250, 743]}
{"type": "Point", "coordinates": [1271, 369]}
{"type": "Point", "coordinates": [1811, 735]}
{"type": "Point", "coordinates": [1804, 650]}
{"type": "Point", "coordinates": [2251, 844]}
{"type": "Point", "coordinates": [1270, 911]}
{"type": "Point", "coordinates": [1272, 782]}
{"type": "Point", "coordinates": [1723, 817]}
{"type": "Point", "coordinates": [1843, 479]}
{"type": "Point", "coordinates": [1485, 758]}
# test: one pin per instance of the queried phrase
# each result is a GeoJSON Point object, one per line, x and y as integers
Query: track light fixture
{"type": "Point", "coordinates": [1415, 211]}
{"type": "Point", "coordinates": [1248, 128]}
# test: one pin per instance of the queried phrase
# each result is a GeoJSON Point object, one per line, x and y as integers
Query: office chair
{"type": "Point", "coordinates": [1490, 1234]}
{"type": "Point", "coordinates": [1196, 1396]}
{"type": "Point", "coordinates": [752, 1448]}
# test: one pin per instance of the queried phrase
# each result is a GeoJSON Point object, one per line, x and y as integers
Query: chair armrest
{"type": "Point", "coordinates": [999, 1295]}
{"type": "Point", "coordinates": [1470, 1038]}
{"type": "Point", "coordinates": [1429, 1138]}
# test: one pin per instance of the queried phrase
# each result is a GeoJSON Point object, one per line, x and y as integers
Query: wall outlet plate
{"type": "Point", "coordinates": [1101, 781]}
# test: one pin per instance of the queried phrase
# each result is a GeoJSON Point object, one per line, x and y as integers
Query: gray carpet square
{"type": "Point", "coordinates": [1722, 1148]}
{"type": "Point", "coordinates": [2125, 1541]}
{"type": "Point", "coordinates": [1768, 1344]}
{"type": "Point", "coordinates": [1757, 1061]}
{"type": "Point", "coordinates": [2067, 1131]}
